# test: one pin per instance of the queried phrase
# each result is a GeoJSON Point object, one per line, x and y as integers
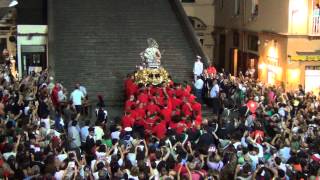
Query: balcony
{"type": "Point", "coordinates": [315, 31]}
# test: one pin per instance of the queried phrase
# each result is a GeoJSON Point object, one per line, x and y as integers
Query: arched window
{"type": "Point", "coordinates": [197, 23]}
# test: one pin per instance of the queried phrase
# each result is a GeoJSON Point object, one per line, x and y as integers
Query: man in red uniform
{"type": "Point", "coordinates": [179, 91]}
{"type": "Point", "coordinates": [178, 125]}
{"type": "Point", "coordinates": [186, 108]}
{"type": "Point", "coordinates": [143, 97]}
{"type": "Point", "coordinates": [196, 107]}
{"type": "Point", "coordinates": [152, 108]}
{"type": "Point", "coordinates": [150, 122]}
{"type": "Point", "coordinates": [159, 100]}
{"type": "Point", "coordinates": [130, 102]}
{"type": "Point", "coordinates": [127, 120]}
{"type": "Point", "coordinates": [131, 87]}
{"type": "Point", "coordinates": [141, 112]}
{"type": "Point", "coordinates": [159, 130]}
{"type": "Point", "coordinates": [166, 113]}
{"type": "Point", "coordinates": [176, 102]}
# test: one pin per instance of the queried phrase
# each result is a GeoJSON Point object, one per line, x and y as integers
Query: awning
{"type": "Point", "coordinates": [306, 58]}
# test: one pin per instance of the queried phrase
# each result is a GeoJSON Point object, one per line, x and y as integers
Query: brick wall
{"type": "Point", "coordinates": [98, 42]}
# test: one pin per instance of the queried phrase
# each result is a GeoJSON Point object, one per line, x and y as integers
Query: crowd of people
{"type": "Point", "coordinates": [45, 133]}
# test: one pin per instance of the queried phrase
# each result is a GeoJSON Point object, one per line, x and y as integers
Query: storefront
{"type": "Point", "coordinates": [271, 64]}
{"type": "Point", "coordinates": [32, 48]}
{"type": "Point", "coordinates": [307, 72]}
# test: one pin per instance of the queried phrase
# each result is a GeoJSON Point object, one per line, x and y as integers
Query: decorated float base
{"type": "Point", "coordinates": [150, 76]}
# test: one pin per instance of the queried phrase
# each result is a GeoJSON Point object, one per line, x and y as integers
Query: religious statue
{"type": "Point", "coordinates": [151, 56]}
{"type": "Point", "coordinates": [151, 71]}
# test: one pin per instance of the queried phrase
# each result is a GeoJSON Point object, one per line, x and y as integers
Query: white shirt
{"type": "Point", "coordinates": [254, 160]}
{"type": "Point", "coordinates": [46, 121]}
{"type": "Point", "coordinates": [284, 153]}
{"type": "Point", "coordinates": [83, 90]}
{"type": "Point", "coordinates": [76, 97]}
{"type": "Point", "coordinates": [214, 91]}
{"type": "Point", "coordinates": [74, 135]}
{"type": "Point", "coordinates": [98, 132]}
{"type": "Point", "coordinates": [101, 155]}
{"type": "Point", "coordinates": [8, 154]}
{"type": "Point", "coordinates": [132, 157]}
{"type": "Point", "coordinates": [198, 68]}
{"type": "Point", "coordinates": [84, 132]}
{"type": "Point", "coordinates": [199, 84]}
{"type": "Point", "coordinates": [115, 135]}
{"type": "Point", "coordinates": [62, 157]}
{"type": "Point", "coordinates": [104, 111]}
{"type": "Point", "coordinates": [61, 96]}
{"type": "Point", "coordinates": [59, 175]}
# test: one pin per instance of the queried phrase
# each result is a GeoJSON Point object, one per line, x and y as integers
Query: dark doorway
{"type": "Point", "coordinates": [34, 58]}
{"type": "Point", "coordinates": [247, 61]}
{"type": "Point", "coordinates": [3, 44]}
{"type": "Point", "coordinates": [222, 51]}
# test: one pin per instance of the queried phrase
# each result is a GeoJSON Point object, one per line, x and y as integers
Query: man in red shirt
{"type": "Point", "coordinates": [186, 90]}
{"type": "Point", "coordinates": [133, 112]}
{"type": "Point", "coordinates": [127, 120]}
{"type": "Point", "coordinates": [141, 112]}
{"type": "Point", "coordinates": [196, 107]}
{"type": "Point", "coordinates": [179, 127]}
{"type": "Point", "coordinates": [179, 91]}
{"type": "Point", "coordinates": [159, 100]}
{"type": "Point", "coordinates": [54, 96]}
{"type": "Point", "coordinates": [150, 122]}
{"type": "Point", "coordinates": [160, 129]}
{"type": "Point", "coordinates": [143, 97]}
{"type": "Point", "coordinates": [130, 102]}
{"type": "Point", "coordinates": [198, 119]}
{"type": "Point", "coordinates": [176, 112]}
{"type": "Point", "coordinates": [159, 91]}
{"type": "Point", "coordinates": [170, 91]}
{"type": "Point", "coordinates": [151, 90]}
{"type": "Point", "coordinates": [186, 108]}
{"type": "Point", "coordinates": [166, 113]}
{"type": "Point", "coordinates": [127, 84]}
{"type": "Point", "coordinates": [152, 108]}
{"type": "Point", "coordinates": [131, 87]}
{"type": "Point", "coordinates": [176, 102]}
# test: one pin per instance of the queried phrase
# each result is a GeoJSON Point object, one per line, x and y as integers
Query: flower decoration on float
{"type": "Point", "coordinates": [152, 76]}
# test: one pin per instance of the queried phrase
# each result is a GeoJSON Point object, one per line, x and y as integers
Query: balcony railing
{"type": "Point", "coordinates": [315, 26]}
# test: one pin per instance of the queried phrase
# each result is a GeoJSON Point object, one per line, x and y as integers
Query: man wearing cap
{"type": "Point", "coordinates": [197, 68]}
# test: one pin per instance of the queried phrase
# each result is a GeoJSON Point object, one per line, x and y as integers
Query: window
{"type": "Point", "coordinates": [316, 18]}
{"type": "Point", "coordinates": [253, 42]}
{"type": "Point", "coordinates": [201, 41]}
{"type": "Point", "coordinates": [236, 7]}
{"type": "Point", "coordinates": [221, 4]}
{"type": "Point", "coordinates": [188, 1]}
{"type": "Point", "coordinates": [3, 44]}
{"type": "Point", "coordinates": [192, 22]}
{"type": "Point", "coordinates": [236, 39]}
{"type": "Point", "coordinates": [312, 67]}
{"type": "Point", "coordinates": [254, 7]}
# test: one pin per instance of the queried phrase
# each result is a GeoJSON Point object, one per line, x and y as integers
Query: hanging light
{"type": "Point", "coordinates": [13, 3]}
